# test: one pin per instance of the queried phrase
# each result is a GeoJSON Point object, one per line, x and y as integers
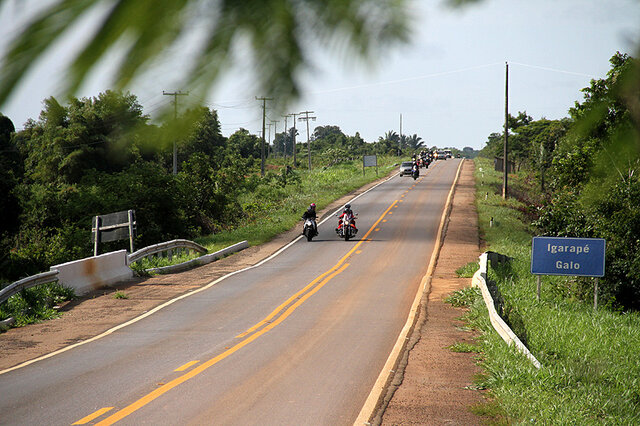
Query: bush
{"type": "Point", "coordinates": [35, 304]}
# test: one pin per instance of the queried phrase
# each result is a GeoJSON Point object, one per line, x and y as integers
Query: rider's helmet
{"type": "Point", "coordinates": [347, 206]}
{"type": "Point", "coordinates": [312, 206]}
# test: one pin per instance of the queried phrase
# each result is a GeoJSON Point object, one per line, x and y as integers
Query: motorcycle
{"type": "Point", "coordinates": [415, 173]}
{"type": "Point", "coordinates": [309, 229]}
{"type": "Point", "coordinates": [347, 227]}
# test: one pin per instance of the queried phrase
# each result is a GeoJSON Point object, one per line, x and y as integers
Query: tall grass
{"type": "Point", "coordinates": [275, 208]}
{"type": "Point", "coordinates": [591, 368]}
{"type": "Point", "coordinates": [35, 304]}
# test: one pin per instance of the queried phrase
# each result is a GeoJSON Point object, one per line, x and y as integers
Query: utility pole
{"type": "Point", "coordinates": [268, 139]}
{"type": "Point", "coordinates": [264, 117]}
{"type": "Point", "coordinates": [275, 135]}
{"type": "Point", "coordinates": [307, 118]}
{"type": "Point", "coordinates": [505, 162]}
{"type": "Point", "coordinates": [295, 162]}
{"type": "Point", "coordinates": [400, 138]}
{"type": "Point", "coordinates": [286, 138]}
{"type": "Point", "coordinates": [175, 116]}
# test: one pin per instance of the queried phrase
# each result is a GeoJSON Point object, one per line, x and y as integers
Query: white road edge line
{"type": "Point", "coordinates": [373, 400]}
{"type": "Point", "coordinates": [183, 296]}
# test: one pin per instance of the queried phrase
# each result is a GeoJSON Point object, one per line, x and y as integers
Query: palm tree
{"type": "Point", "coordinates": [152, 29]}
{"type": "Point", "coordinates": [415, 142]}
{"type": "Point", "coordinates": [392, 137]}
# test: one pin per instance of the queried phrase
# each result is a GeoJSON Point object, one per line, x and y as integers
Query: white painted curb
{"type": "Point", "coordinates": [480, 280]}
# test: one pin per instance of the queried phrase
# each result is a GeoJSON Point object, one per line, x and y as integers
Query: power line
{"type": "Point", "coordinates": [554, 70]}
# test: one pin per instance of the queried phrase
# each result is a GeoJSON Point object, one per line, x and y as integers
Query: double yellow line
{"type": "Point", "coordinates": [271, 321]}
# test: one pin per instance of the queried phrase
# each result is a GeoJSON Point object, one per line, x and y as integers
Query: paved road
{"type": "Point", "coordinates": [300, 339]}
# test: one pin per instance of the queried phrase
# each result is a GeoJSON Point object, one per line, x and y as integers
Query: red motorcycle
{"type": "Point", "coordinates": [347, 226]}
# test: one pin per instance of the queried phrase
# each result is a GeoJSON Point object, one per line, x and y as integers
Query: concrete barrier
{"type": "Point", "coordinates": [93, 273]}
{"type": "Point", "coordinates": [480, 280]}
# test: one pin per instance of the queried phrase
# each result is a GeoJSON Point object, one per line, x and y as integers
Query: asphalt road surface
{"type": "Point", "coordinates": [299, 339]}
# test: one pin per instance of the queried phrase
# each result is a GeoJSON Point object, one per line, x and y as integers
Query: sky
{"type": "Point", "coordinates": [447, 85]}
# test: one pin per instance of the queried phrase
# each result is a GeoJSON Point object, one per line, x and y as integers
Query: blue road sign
{"type": "Point", "coordinates": [568, 256]}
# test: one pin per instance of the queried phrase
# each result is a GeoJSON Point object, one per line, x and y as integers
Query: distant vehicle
{"type": "Point", "coordinates": [448, 153]}
{"type": "Point", "coordinates": [441, 155]}
{"type": "Point", "coordinates": [405, 168]}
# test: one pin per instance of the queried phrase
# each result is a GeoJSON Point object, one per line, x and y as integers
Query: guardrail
{"type": "Point", "coordinates": [480, 280]}
{"type": "Point", "coordinates": [28, 282]}
{"type": "Point", "coordinates": [198, 261]}
{"type": "Point", "coordinates": [75, 271]}
{"type": "Point", "coordinates": [169, 247]}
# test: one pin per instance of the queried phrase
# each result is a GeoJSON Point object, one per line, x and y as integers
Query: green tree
{"type": "Point", "coordinates": [91, 133]}
{"type": "Point", "coordinates": [356, 144]}
{"type": "Point", "coordinates": [197, 130]}
{"type": "Point", "coordinates": [594, 177]}
{"type": "Point", "coordinates": [208, 192]}
{"type": "Point", "coordinates": [414, 142]}
{"type": "Point", "coordinates": [493, 146]}
{"type": "Point", "coordinates": [387, 144]}
{"type": "Point", "coordinates": [152, 28]}
{"type": "Point", "coordinates": [11, 169]}
{"type": "Point", "coordinates": [328, 137]}
{"type": "Point", "coordinates": [246, 144]}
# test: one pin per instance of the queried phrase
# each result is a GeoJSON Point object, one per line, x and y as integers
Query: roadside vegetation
{"type": "Point", "coordinates": [589, 374]}
{"type": "Point", "coordinates": [35, 304]}
{"type": "Point", "coordinates": [576, 177]}
{"type": "Point", "coordinates": [102, 155]}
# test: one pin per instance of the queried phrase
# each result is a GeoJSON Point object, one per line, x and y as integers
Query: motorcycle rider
{"type": "Point", "coordinates": [415, 171]}
{"type": "Point", "coordinates": [347, 212]}
{"type": "Point", "coordinates": [311, 214]}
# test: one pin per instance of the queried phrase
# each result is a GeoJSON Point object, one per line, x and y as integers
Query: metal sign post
{"type": "Point", "coordinates": [114, 227]}
{"type": "Point", "coordinates": [569, 256]}
{"type": "Point", "coordinates": [370, 161]}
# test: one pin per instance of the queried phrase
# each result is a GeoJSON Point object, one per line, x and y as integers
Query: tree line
{"type": "Point", "coordinates": [585, 172]}
{"type": "Point", "coordinates": [102, 154]}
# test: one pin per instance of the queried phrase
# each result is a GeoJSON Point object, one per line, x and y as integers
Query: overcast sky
{"type": "Point", "coordinates": [447, 83]}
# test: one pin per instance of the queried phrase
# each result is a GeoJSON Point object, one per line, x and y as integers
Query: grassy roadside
{"type": "Point", "coordinates": [590, 373]}
{"type": "Point", "coordinates": [276, 208]}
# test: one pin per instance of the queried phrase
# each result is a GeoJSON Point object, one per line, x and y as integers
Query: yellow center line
{"type": "Point", "coordinates": [312, 283]}
{"type": "Point", "coordinates": [94, 415]}
{"type": "Point", "coordinates": [187, 365]}
{"type": "Point", "coordinates": [268, 325]}
{"type": "Point", "coordinates": [119, 415]}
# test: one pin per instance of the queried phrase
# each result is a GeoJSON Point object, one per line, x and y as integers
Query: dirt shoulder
{"type": "Point", "coordinates": [437, 386]}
